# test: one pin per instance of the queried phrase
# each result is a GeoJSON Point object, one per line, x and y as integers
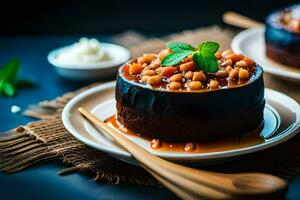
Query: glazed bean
{"type": "Point", "coordinates": [188, 66]}
{"type": "Point", "coordinates": [234, 57]}
{"type": "Point", "coordinates": [176, 77]}
{"type": "Point", "coordinates": [175, 85]}
{"type": "Point", "coordinates": [226, 52]}
{"type": "Point", "coordinates": [189, 75]}
{"type": "Point", "coordinates": [145, 79]}
{"type": "Point", "coordinates": [199, 76]}
{"type": "Point", "coordinates": [228, 68]}
{"type": "Point", "coordinates": [194, 85]}
{"type": "Point", "coordinates": [158, 70]}
{"type": "Point", "coordinates": [249, 61]}
{"type": "Point", "coordinates": [233, 73]}
{"type": "Point", "coordinates": [155, 64]}
{"type": "Point", "coordinates": [154, 79]}
{"type": "Point", "coordinates": [187, 59]}
{"type": "Point", "coordinates": [189, 147]}
{"type": "Point", "coordinates": [295, 25]}
{"type": "Point", "coordinates": [146, 58]}
{"type": "Point", "coordinates": [155, 143]}
{"type": "Point", "coordinates": [135, 68]}
{"type": "Point", "coordinates": [149, 73]}
{"type": "Point", "coordinates": [163, 53]}
{"type": "Point", "coordinates": [243, 73]}
{"type": "Point", "coordinates": [167, 71]}
{"type": "Point", "coordinates": [218, 54]}
{"type": "Point", "coordinates": [213, 84]}
{"type": "Point", "coordinates": [226, 63]}
{"type": "Point", "coordinates": [222, 73]}
{"type": "Point", "coordinates": [241, 63]}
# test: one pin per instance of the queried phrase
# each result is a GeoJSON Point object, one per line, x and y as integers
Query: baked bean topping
{"type": "Point", "coordinates": [234, 73]}
{"type": "Point", "coordinates": [290, 20]}
{"type": "Point", "coordinates": [194, 85]}
{"type": "Point", "coordinates": [232, 70]}
{"type": "Point", "coordinates": [175, 85]}
{"type": "Point", "coordinates": [188, 66]}
{"type": "Point", "coordinates": [189, 147]}
{"type": "Point", "coordinates": [146, 58]}
{"type": "Point", "coordinates": [243, 73]}
{"type": "Point", "coordinates": [189, 75]}
{"type": "Point", "coordinates": [228, 68]}
{"type": "Point", "coordinates": [153, 80]}
{"type": "Point", "coordinates": [226, 63]}
{"type": "Point", "coordinates": [222, 73]}
{"type": "Point", "coordinates": [155, 143]}
{"type": "Point", "coordinates": [167, 71]}
{"type": "Point", "coordinates": [135, 68]}
{"type": "Point", "coordinates": [163, 53]}
{"type": "Point", "coordinates": [149, 73]}
{"type": "Point", "coordinates": [213, 84]}
{"type": "Point", "coordinates": [241, 63]}
{"type": "Point", "coordinates": [176, 77]}
{"type": "Point", "coordinates": [199, 76]}
{"type": "Point", "coordinates": [218, 54]}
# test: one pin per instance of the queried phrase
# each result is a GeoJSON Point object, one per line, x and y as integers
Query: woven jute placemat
{"type": "Point", "coordinates": [48, 140]}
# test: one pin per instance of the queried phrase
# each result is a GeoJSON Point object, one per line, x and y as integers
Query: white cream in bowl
{"type": "Point", "coordinates": [88, 59]}
{"type": "Point", "coordinates": [84, 51]}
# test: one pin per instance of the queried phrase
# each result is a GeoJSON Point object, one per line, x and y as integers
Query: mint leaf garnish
{"type": "Point", "coordinates": [180, 46]}
{"type": "Point", "coordinates": [206, 61]}
{"type": "Point", "coordinates": [209, 46]}
{"type": "Point", "coordinates": [175, 58]}
{"type": "Point", "coordinates": [204, 57]}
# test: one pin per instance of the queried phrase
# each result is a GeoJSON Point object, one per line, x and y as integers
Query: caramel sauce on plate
{"type": "Point", "coordinates": [246, 140]}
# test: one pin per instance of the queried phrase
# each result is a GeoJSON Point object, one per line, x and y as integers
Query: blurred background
{"type": "Point", "coordinates": [67, 17]}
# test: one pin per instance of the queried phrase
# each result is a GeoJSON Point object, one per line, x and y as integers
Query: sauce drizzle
{"type": "Point", "coordinates": [246, 140]}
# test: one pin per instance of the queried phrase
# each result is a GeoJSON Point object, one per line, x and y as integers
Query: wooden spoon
{"type": "Point", "coordinates": [198, 183]}
{"type": "Point", "coordinates": [241, 21]}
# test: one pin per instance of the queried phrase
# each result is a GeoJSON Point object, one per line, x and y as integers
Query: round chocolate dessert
{"type": "Point", "coordinates": [282, 36]}
{"type": "Point", "coordinates": [183, 96]}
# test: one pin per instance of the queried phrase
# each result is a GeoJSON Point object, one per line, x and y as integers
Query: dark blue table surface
{"type": "Point", "coordinates": [42, 181]}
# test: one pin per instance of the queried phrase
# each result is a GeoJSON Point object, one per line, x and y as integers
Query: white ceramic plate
{"type": "Point", "coordinates": [281, 115]}
{"type": "Point", "coordinates": [251, 43]}
{"type": "Point", "coordinates": [89, 71]}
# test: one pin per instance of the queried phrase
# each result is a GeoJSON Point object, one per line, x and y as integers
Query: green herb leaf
{"type": "Point", "coordinates": [209, 46]}
{"type": "Point", "coordinates": [180, 46]}
{"type": "Point", "coordinates": [8, 89]}
{"type": "Point", "coordinates": [8, 77]}
{"type": "Point", "coordinates": [10, 71]}
{"type": "Point", "coordinates": [206, 60]}
{"type": "Point", "coordinates": [175, 58]}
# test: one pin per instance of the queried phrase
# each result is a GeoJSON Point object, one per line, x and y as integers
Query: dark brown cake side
{"type": "Point", "coordinates": [282, 55]}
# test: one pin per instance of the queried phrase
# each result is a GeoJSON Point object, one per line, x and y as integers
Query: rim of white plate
{"type": "Point", "coordinates": [288, 102]}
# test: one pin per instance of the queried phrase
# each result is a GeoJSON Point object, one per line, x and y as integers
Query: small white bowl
{"type": "Point", "coordinates": [89, 71]}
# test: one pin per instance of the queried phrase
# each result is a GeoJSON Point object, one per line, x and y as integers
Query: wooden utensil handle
{"type": "Point", "coordinates": [203, 183]}
{"type": "Point", "coordinates": [241, 21]}
{"type": "Point", "coordinates": [154, 163]}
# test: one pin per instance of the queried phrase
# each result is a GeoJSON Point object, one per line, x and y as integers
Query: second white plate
{"type": "Point", "coordinates": [251, 43]}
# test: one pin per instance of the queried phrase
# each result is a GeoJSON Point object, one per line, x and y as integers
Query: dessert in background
{"type": "Point", "coordinates": [282, 36]}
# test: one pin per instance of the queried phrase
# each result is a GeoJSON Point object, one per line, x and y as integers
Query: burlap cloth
{"type": "Point", "coordinates": [48, 140]}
